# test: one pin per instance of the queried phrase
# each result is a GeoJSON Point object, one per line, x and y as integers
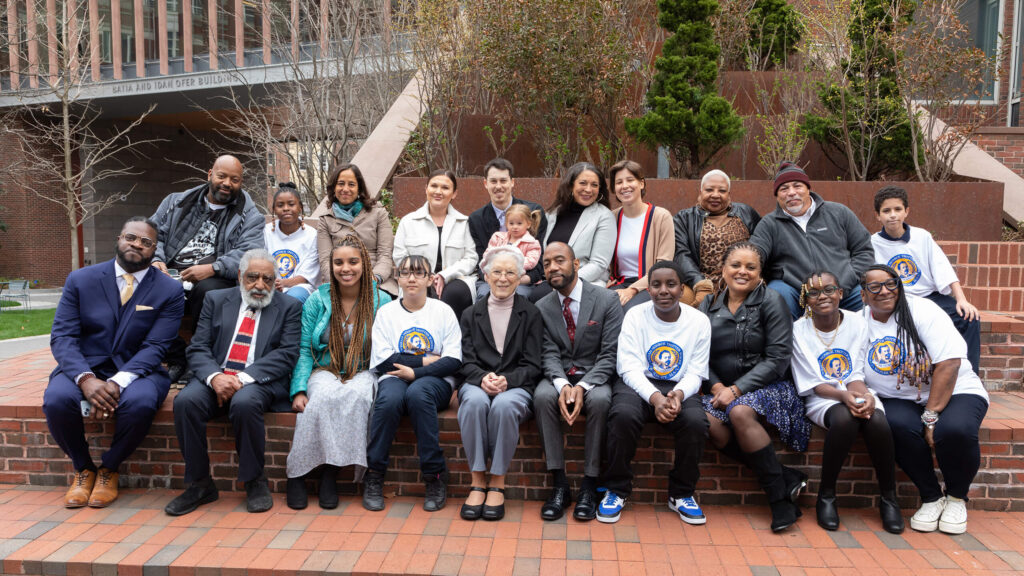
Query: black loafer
{"type": "Point", "coordinates": [473, 512]}
{"type": "Point", "coordinates": [556, 504]}
{"type": "Point", "coordinates": [257, 495]}
{"type": "Point", "coordinates": [297, 498]}
{"type": "Point", "coordinates": [586, 506]}
{"type": "Point", "coordinates": [494, 512]}
{"type": "Point", "coordinates": [828, 515]}
{"type": "Point", "coordinates": [198, 493]}
{"type": "Point", "coordinates": [327, 493]}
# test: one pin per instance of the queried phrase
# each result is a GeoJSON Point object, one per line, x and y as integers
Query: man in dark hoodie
{"type": "Point", "coordinates": [804, 234]}
{"type": "Point", "coordinates": [203, 233]}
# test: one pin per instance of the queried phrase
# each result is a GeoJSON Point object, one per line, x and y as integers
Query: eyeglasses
{"type": "Point", "coordinates": [876, 287]}
{"type": "Point", "coordinates": [132, 238]}
{"type": "Point", "coordinates": [504, 273]}
{"type": "Point", "coordinates": [829, 290]}
{"type": "Point", "coordinates": [413, 273]}
{"type": "Point", "coordinates": [253, 277]}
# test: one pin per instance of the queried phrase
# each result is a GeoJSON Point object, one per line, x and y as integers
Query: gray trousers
{"type": "Point", "coordinates": [596, 402]}
{"type": "Point", "coordinates": [490, 426]}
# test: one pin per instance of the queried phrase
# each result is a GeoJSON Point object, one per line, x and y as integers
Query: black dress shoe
{"type": "Point", "coordinates": [586, 505]}
{"type": "Point", "coordinates": [828, 515]}
{"type": "Point", "coordinates": [327, 494]}
{"type": "Point", "coordinates": [494, 512]}
{"type": "Point", "coordinates": [198, 493]}
{"type": "Point", "coordinates": [473, 512]}
{"type": "Point", "coordinates": [556, 504]}
{"type": "Point", "coordinates": [176, 372]}
{"type": "Point", "coordinates": [297, 498]}
{"type": "Point", "coordinates": [373, 491]}
{"type": "Point", "coordinates": [257, 495]}
{"type": "Point", "coordinates": [784, 514]}
{"type": "Point", "coordinates": [892, 517]}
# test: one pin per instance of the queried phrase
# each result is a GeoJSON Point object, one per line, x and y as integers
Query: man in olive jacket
{"type": "Point", "coordinates": [805, 233]}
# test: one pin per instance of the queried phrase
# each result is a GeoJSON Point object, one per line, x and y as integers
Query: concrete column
{"type": "Point", "coordinates": [12, 42]}
{"type": "Point", "coordinates": [211, 19]}
{"type": "Point", "coordinates": [94, 40]}
{"type": "Point", "coordinates": [32, 34]}
{"type": "Point", "coordinates": [186, 34]}
{"type": "Point", "coordinates": [239, 34]}
{"type": "Point", "coordinates": [161, 35]}
{"type": "Point", "coordinates": [140, 42]}
{"type": "Point", "coordinates": [117, 59]}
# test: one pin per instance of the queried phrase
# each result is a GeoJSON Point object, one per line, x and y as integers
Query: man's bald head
{"type": "Point", "coordinates": [225, 180]}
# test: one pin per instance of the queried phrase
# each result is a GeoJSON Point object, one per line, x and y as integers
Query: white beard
{"type": "Point", "coordinates": [257, 303]}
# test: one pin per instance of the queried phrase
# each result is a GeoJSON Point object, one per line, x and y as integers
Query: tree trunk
{"type": "Point", "coordinates": [69, 191]}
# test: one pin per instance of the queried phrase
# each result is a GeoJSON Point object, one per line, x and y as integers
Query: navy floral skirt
{"type": "Point", "coordinates": [781, 407]}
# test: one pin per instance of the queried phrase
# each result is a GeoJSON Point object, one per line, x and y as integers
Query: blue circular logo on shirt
{"type": "Point", "coordinates": [664, 359]}
{"type": "Point", "coordinates": [416, 341]}
{"type": "Point", "coordinates": [287, 262]}
{"type": "Point", "coordinates": [907, 269]}
{"type": "Point", "coordinates": [885, 355]}
{"type": "Point", "coordinates": [835, 364]}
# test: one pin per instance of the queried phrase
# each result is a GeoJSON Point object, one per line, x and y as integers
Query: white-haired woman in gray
{"type": "Point", "coordinates": [705, 230]}
{"type": "Point", "coordinates": [502, 337]}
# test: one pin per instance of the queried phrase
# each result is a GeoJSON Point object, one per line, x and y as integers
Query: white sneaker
{"type": "Point", "coordinates": [926, 519]}
{"type": "Point", "coordinates": [954, 516]}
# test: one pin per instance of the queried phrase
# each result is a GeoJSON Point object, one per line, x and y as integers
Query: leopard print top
{"type": "Point", "coordinates": [713, 242]}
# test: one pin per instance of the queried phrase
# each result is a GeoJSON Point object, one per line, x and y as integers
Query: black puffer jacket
{"type": "Point", "coordinates": [751, 348]}
{"type": "Point", "coordinates": [689, 223]}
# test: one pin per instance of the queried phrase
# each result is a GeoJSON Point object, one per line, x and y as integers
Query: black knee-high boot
{"type": "Point", "coordinates": [795, 479]}
{"type": "Point", "coordinates": [769, 472]}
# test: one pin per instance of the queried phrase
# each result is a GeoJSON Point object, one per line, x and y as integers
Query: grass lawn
{"type": "Point", "coordinates": [17, 323]}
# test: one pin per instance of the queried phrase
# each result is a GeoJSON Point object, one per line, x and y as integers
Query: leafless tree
{"type": "Point", "coordinates": [67, 149]}
{"type": "Point", "coordinates": [341, 65]}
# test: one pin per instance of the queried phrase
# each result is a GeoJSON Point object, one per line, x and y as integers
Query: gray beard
{"type": "Point", "coordinates": [256, 303]}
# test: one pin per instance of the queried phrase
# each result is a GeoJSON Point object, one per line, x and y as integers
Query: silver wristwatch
{"type": "Point", "coordinates": [929, 418]}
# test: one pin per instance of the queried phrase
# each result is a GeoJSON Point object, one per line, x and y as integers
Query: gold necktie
{"type": "Point", "coordinates": [129, 288]}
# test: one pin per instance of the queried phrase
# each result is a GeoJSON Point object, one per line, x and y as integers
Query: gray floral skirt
{"type": "Point", "coordinates": [332, 429]}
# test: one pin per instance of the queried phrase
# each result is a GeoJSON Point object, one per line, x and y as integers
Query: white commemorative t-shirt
{"type": "Point", "coordinates": [651, 348]}
{"type": "Point", "coordinates": [814, 363]}
{"type": "Point", "coordinates": [294, 254]}
{"type": "Point", "coordinates": [432, 329]}
{"type": "Point", "coordinates": [922, 265]}
{"type": "Point", "coordinates": [885, 352]}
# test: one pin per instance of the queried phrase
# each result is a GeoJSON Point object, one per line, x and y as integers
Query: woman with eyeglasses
{"type": "Point", "coordinates": [332, 388]}
{"type": "Point", "coordinates": [502, 337]}
{"type": "Point", "coordinates": [751, 346]}
{"type": "Point", "coordinates": [417, 351]}
{"type": "Point", "coordinates": [828, 369]}
{"type": "Point", "coordinates": [917, 363]}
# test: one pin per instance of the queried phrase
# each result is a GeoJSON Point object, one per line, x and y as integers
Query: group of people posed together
{"type": "Point", "coordinates": [715, 323]}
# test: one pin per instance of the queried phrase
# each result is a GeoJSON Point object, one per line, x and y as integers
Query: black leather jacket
{"type": "Point", "coordinates": [751, 348]}
{"type": "Point", "coordinates": [689, 223]}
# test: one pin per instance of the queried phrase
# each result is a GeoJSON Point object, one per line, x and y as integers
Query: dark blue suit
{"type": "Point", "coordinates": [92, 332]}
{"type": "Point", "coordinates": [276, 352]}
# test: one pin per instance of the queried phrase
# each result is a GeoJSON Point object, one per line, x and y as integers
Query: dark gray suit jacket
{"type": "Point", "coordinates": [597, 335]}
{"type": "Point", "coordinates": [277, 340]}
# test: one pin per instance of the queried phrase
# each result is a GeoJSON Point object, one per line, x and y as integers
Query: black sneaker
{"type": "Point", "coordinates": [436, 494]}
{"type": "Point", "coordinates": [196, 494]}
{"type": "Point", "coordinates": [257, 495]}
{"type": "Point", "coordinates": [373, 491]}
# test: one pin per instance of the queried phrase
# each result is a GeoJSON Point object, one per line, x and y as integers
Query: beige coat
{"type": "Point", "coordinates": [661, 242]}
{"type": "Point", "coordinates": [417, 235]}
{"type": "Point", "coordinates": [373, 227]}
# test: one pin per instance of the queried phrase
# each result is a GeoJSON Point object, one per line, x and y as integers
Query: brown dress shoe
{"type": "Point", "coordinates": [105, 492]}
{"type": "Point", "coordinates": [81, 487]}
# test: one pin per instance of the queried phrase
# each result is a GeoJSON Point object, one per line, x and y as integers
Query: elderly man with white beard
{"type": "Point", "coordinates": [242, 354]}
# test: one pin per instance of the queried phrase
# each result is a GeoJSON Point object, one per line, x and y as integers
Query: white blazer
{"type": "Point", "coordinates": [593, 241]}
{"type": "Point", "coordinates": [417, 236]}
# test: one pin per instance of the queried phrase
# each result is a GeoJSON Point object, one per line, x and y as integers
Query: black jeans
{"type": "Point", "coordinates": [956, 444]}
{"type": "Point", "coordinates": [421, 399]}
{"type": "Point", "coordinates": [626, 418]}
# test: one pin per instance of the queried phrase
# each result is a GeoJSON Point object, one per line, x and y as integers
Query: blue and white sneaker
{"type": "Point", "coordinates": [688, 509]}
{"type": "Point", "coordinates": [610, 508]}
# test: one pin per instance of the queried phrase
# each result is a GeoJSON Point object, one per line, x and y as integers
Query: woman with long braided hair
{"type": "Point", "coordinates": [917, 363]}
{"type": "Point", "coordinates": [332, 388]}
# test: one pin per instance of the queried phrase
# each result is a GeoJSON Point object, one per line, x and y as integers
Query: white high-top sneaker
{"type": "Point", "coordinates": [926, 519]}
{"type": "Point", "coordinates": [954, 516]}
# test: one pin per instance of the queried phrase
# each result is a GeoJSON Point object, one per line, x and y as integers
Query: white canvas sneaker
{"type": "Point", "coordinates": [954, 516]}
{"type": "Point", "coordinates": [926, 519]}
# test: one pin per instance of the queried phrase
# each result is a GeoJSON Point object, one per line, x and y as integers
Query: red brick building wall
{"type": "Point", "coordinates": [1004, 144]}
{"type": "Point", "coordinates": [37, 243]}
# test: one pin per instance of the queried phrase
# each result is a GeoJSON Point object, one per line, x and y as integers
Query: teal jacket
{"type": "Point", "coordinates": [316, 314]}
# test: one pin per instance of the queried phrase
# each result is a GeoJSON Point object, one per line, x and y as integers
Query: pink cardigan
{"type": "Point", "coordinates": [528, 245]}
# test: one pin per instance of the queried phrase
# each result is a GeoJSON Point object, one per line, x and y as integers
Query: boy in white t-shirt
{"type": "Point", "coordinates": [923, 266]}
